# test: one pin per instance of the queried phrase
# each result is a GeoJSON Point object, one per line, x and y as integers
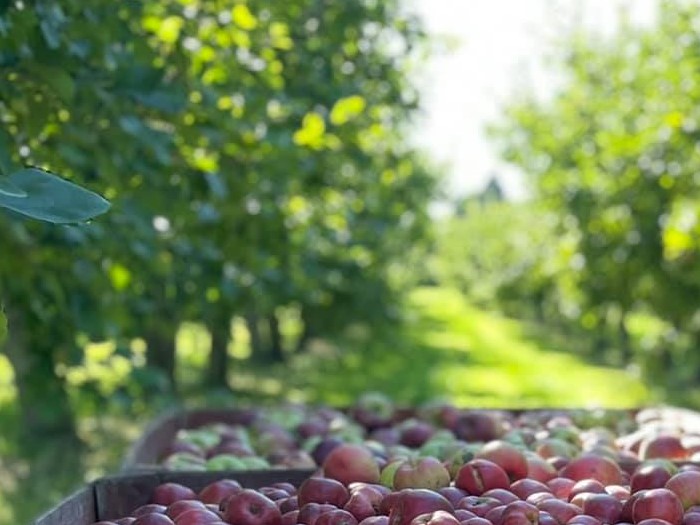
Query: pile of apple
{"type": "Point", "coordinates": [299, 436]}
{"type": "Point", "coordinates": [498, 485]}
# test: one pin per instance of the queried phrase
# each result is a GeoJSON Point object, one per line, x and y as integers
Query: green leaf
{"type": "Point", "coordinates": [347, 109]}
{"type": "Point", "coordinates": [52, 199]}
{"type": "Point", "coordinates": [9, 189]}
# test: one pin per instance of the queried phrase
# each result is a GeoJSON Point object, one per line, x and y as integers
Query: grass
{"type": "Point", "coordinates": [447, 348]}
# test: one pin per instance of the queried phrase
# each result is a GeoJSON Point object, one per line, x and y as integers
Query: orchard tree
{"type": "Point", "coordinates": [613, 153]}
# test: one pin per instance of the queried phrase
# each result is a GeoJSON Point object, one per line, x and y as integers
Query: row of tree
{"type": "Point", "coordinates": [612, 233]}
{"type": "Point", "coordinates": [255, 155]}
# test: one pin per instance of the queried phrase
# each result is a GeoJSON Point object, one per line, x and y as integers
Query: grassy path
{"type": "Point", "coordinates": [455, 350]}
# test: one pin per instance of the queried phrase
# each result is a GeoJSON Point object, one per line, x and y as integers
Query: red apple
{"type": "Point", "coordinates": [154, 518]}
{"type": "Point", "coordinates": [322, 490]}
{"type": "Point", "coordinates": [414, 433]}
{"type": "Point", "coordinates": [559, 510]}
{"type": "Point", "coordinates": [584, 519]}
{"type": "Point", "coordinates": [347, 463]}
{"type": "Point", "coordinates": [273, 493]}
{"type": "Point", "coordinates": [650, 476]}
{"type": "Point", "coordinates": [524, 487]}
{"type": "Point", "coordinates": [494, 515]}
{"type": "Point", "coordinates": [591, 466]}
{"type": "Point", "coordinates": [288, 504]}
{"type": "Point", "coordinates": [479, 475]}
{"type": "Point", "coordinates": [691, 518]}
{"type": "Point", "coordinates": [439, 517]}
{"type": "Point", "coordinates": [375, 520]}
{"type": "Point", "coordinates": [476, 520]}
{"type": "Point", "coordinates": [545, 518]}
{"type": "Point", "coordinates": [686, 485]}
{"type": "Point", "coordinates": [421, 473]}
{"type": "Point", "coordinates": [654, 521]}
{"type": "Point", "coordinates": [452, 494]}
{"type": "Point", "coordinates": [586, 485]}
{"type": "Point", "coordinates": [561, 487]}
{"type": "Point", "coordinates": [462, 514]}
{"type": "Point", "coordinates": [605, 507]}
{"type": "Point", "coordinates": [505, 496]}
{"type": "Point", "coordinates": [663, 446]}
{"type": "Point", "coordinates": [520, 513]}
{"type": "Point", "coordinates": [658, 503]}
{"type": "Point", "coordinates": [285, 485]}
{"type": "Point", "coordinates": [216, 491]}
{"type": "Point", "coordinates": [249, 507]}
{"type": "Point", "coordinates": [413, 502]}
{"type": "Point", "coordinates": [479, 505]}
{"type": "Point", "coordinates": [196, 517]}
{"type": "Point", "coordinates": [178, 507]}
{"type": "Point", "coordinates": [507, 456]}
{"type": "Point", "coordinates": [309, 513]}
{"type": "Point", "coordinates": [361, 506]}
{"type": "Point", "coordinates": [148, 509]}
{"type": "Point", "coordinates": [539, 469]}
{"type": "Point", "coordinates": [538, 497]}
{"type": "Point", "coordinates": [289, 518]}
{"type": "Point", "coordinates": [168, 493]}
{"type": "Point", "coordinates": [621, 493]}
{"type": "Point", "coordinates": [336, 517]}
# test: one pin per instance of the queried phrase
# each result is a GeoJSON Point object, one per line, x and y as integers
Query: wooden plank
{"type": "Point", "coordinates": [77, 509]}
{"type": "Point", "coordinates": [118, 496]}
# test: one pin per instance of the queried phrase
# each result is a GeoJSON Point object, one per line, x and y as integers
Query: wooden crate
{"type": "Point", "coordinates": [117, 496]}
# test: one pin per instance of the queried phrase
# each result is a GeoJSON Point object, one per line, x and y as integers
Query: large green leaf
{"type": "Point", "coordinates": [9, 189]}
{"type": "Point", "coordinates": [51, 198]}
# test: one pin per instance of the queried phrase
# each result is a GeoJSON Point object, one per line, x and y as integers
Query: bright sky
{"type": "Point", "coordinates": [501, 45]}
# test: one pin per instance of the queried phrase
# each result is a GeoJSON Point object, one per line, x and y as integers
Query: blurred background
{"type": "Point", "coordinates": [492, 202]}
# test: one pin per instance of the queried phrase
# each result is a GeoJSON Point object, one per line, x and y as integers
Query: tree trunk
{"type": "Point", "coordinates": [217, 373]}
{"type": "Point", "coordinates": [276, 351]}
{"type": "Point", "coordinates": [161, 353]}
{"type": "Point", "coordinates": [256, 345]}
{"type": "Point", "coordinates": [41, 394]}
{"type": "Point", "coordinates": [306, 330]}
{"type": "Point", "coordinates": [625, 342]}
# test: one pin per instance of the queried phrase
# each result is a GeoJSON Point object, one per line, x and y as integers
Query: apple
{"type": "Point", "coordinates": [478, 426]}
{"type": "Point", "coordinates": [479, 505]}
{"type": "Point", "coordinates": [519, 513]}
{"type": "Point", "coordinates": [153, 518]}
{"type": "Point", "coordinates": [309, 513]}
{"type": "Point", "coordinates": [524, 487]}
{"type": "Point", "coordinates": [287, 505]}
{"type": "Point", "coordinates": [196, 517]}
{"type": "Point", "coordinates": [620, 492]}
{"type": "Point", "coordinates": [560, 510]}
{"type": "Point", "coordinates": [375, 520]}
{"type": "Point", "coordinates": [663, 446]}
{"type": "Point", "coordinates": [218, 490]}
{"type": "Point", "coordinates": [586, 485]}
{"type": "Point", "coordinates": [415, 432]}
{"type": "Point", "coordinates": [591, 466]}
{"type": "Point", "coordinates": [362, 506]}
{"type": "Point", "coordinates": [373, 410]}
{"type": "Point", "coordinates": [537, 497]}
{"type": "Point", "coordinates": [421, 473]}
{"type": "Point", "coordinates": [462, 514]}
{"type": "Point", "coordinates": [285, 485]}
{"type": "Point", "coordinates": [686, 485]}
{"type": "Point", "coordinates": [386, 436]}
{"type": "Point", "coordinates": [605, 507]}
{"type": "Point", "coordinates": [323, 448]}
{"type": "Point", "coordinates": [249, 507]}
{"type": "Point", "coordinates": [584, 519]}
{"type": "Point", "coordinates": [505, 496]}
{"type": "Point", "coordinates": [545, 518]}
{"type": "Point", "coordinates": [452, 494]}
{"type": "Point", "coordinates": [289, 518]}
{"type": "Point", "coordinates": [439, 517]}
{"type": "Point", "coordinates": [654, 521]}
{"type": "Point", "coordinates": [148, 509]}
{"type": "Point", "coordinates": [167, 493]}
{"type": "Point", "coordinates": [691, 518]}
{"type": "Point", "coordinates": [507, 456]}
{"type": "Point", "coordinates": [539, 469]}
{"type": "Point", "coordinates": [479, 475]}
{"type": "Point", "coordinates": [273, 493]}
{"type": "Point", "coordinates": [336, 517]}
{"type": "Point", "coordinates": [649, 476]}
{"type": "Point", "coordinates": [553, 447]}
{"type": "Point", "coordinates": [494, 515]}
{"type": "Point", "coordinates": [347, 463]}
{"type": "Point", "coordinates": [322, 490]}
{"type": "Point", "coordinates": [561, 487]}
{"type": "Point", "coordinates": [658, 503]}
{"type": "Point", "coordinates": [476, 520]}
{"type": "Point", "coordinates": [413, 502]}
{"type": "Point", "coordinates": [178, 507]}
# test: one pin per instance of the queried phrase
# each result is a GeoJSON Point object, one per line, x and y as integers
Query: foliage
{"type": "Point", "coordinates": [255, 154]}
{"type": "Point", "coordinates": [613, 156]}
